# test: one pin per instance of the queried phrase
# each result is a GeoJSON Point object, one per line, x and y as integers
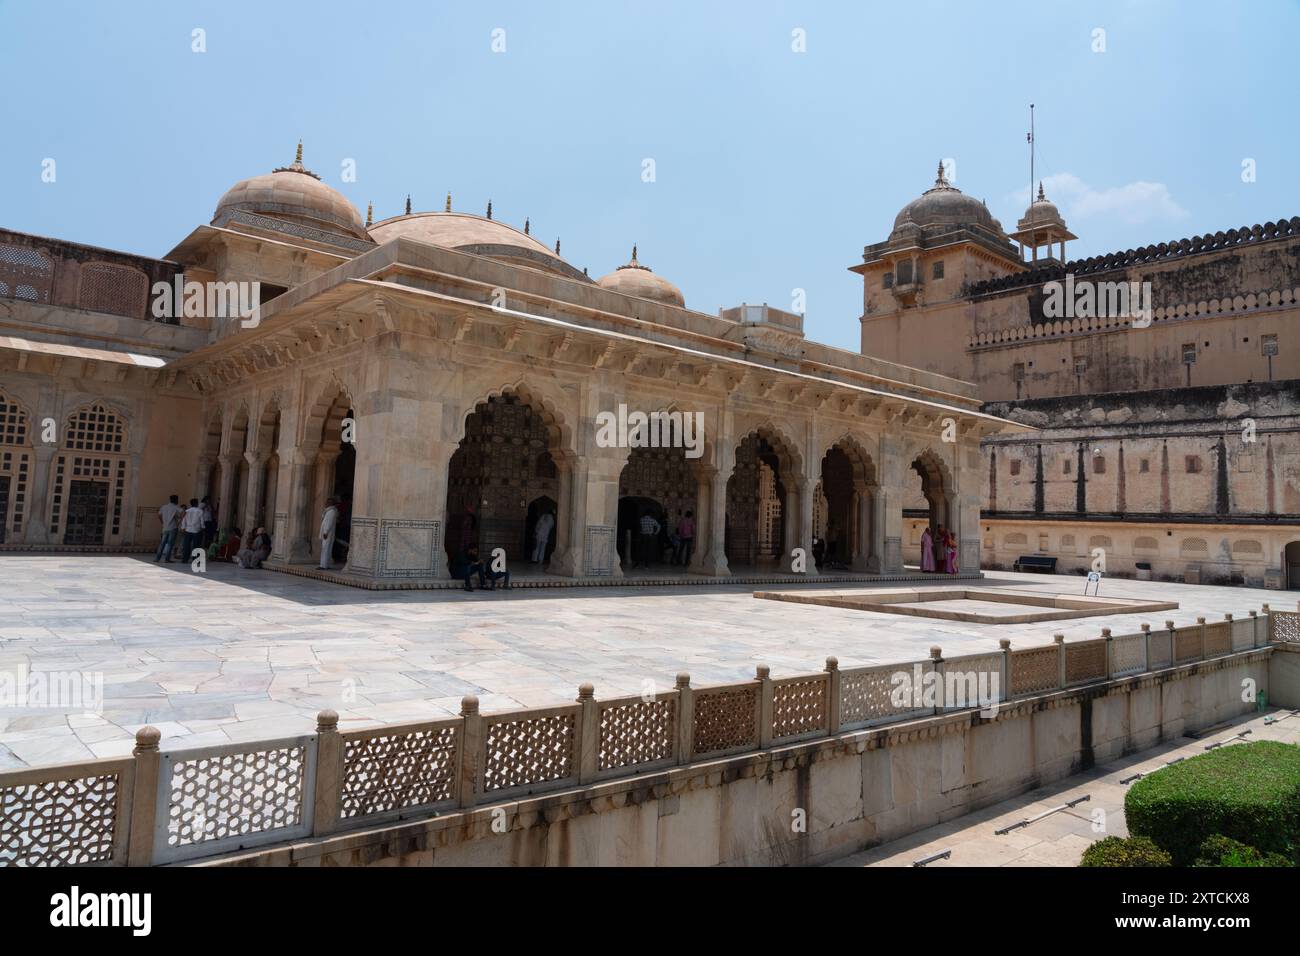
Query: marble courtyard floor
{"type": "Point", "coordinates": [235, 655]}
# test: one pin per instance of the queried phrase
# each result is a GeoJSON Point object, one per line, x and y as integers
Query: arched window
{"type": "Point", "coordinates": [94, 428]}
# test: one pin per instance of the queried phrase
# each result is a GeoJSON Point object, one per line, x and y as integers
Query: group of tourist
{"type": "Point", "coordinates": [654, 539]}
{"type": "Point", "coordinates": [186, 528]}
{"type": "Point", "coordinates": [828, 552]}
{"type": "Point", "coordinates": [938, 550]}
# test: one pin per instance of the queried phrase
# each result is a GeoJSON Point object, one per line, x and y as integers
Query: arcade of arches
{"type": "Point", "coordinates": [268, 461]}
{"type": "Point", "coordinates": [511, 463]}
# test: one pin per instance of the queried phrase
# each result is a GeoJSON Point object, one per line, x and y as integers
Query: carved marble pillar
{"type": "Point", "coordinates": [712, 541]}
{"type": "Point", "coordinates": [37, 529]}
{"type": "Point", "coordinates": [252, 495]}
{"type": "Point", "coordinates": [704, 477]}
{"type": "Point", "coordinates": [789, 526]}
{"type": "Point", "coordinates": [966, 525]}
{"type": "Point", "coordinates": [879, 563]}
{"type": "Point", "coordinates": [570, 507]}
{"type": "Point", "coordinates": [139, 438]}
{"type": "Point", "coordinates": [229, 469]}
{"type": "Point", "coordinates": [807, 494]}
{"type": "Point", "coordinates": [271, 491]}
{"type": "Point", "coordinates": [599, 548]}
{"type": "Point", "coordinates": [864, 503]}
{"type": "Point", "coordinates": [300, 530]}
{"type": "Point", "coordinates": [201, 471]}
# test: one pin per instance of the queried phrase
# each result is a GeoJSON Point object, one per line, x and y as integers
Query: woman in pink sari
{"type": "Point", "coordinates": [927, 550]}
{"type": "Point", "coordinates": [950, 553]}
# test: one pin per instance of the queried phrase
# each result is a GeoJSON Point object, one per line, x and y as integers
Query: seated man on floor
{"type": "Point", "coordinates": [467, 564]}
{"type": "Point", "coordinates": [494, 576]}
{"type": "Point", "coordinates": [258, 550]}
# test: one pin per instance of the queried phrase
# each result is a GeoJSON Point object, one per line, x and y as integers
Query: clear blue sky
{"type": "Point", "coordinates": [773, 168]}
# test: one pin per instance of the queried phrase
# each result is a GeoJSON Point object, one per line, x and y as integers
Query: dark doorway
{"type": "Point", "coordinates": [1291, 565]}
{"type": "Point", "coordinates": [345, 470]}
{"type": "Point", "coordinates": [662, 481]}
{"type": "Point", "coordinates": [630, 510]}
{"type": "Point", "coordinates": [837, 486]}
{"type": "Point", "coordinates": [536, 508]}
{"type": "Point", "coordinates": [87, 512]}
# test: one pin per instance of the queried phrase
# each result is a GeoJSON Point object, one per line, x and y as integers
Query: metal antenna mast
{"type": "Point", "coordinates": [1033, 235]}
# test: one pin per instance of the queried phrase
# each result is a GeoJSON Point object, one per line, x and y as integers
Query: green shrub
{"type": "Point", "coordinates": [1220, 850]}
{"type": "Point", "coordinates": [1249, 792]}
{"type": "Point", "coordinates": [1118, 851]}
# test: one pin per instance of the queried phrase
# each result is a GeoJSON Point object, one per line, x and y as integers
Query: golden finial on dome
{"type": "Point", "coordinates": [1041, 196]}
{"type": "Point", "coordinates": [408, 204]}
{"type": "Point", "coordinates": [632, 263]}
{"type": "Point", "coordinates": [557, 247]}
{"type": "Point", "coordinates": [370, 214]}
{"type": "Point", "coordinates": [489, 209]}
{"type": "Point", "coordinates": [525, 225]}
{"type": "Point", "coordinates": [941, 179]}
{"type": "Point", "coordinates": [447, 206]}
{"type": "Point", "coordinates": [296, 166]}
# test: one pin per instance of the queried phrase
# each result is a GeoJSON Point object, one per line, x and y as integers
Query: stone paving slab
{"type": "Point", "coordinates": [198, 653]}
{"type": "Point", "coordinates": [1059, 839]}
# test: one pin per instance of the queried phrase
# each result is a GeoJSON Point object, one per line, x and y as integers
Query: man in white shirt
{"type": "Point", "coordinates": [191, 529]}
{"type": "Point", "coordinates": [169, 515]}
{"type": "Point", "coordinates": [542, 536]}
{"type": "Point", "coordinates": [328, 522]}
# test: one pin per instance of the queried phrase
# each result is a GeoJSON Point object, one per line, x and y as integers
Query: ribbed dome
{"type": "Point", "coordinates": [636, 279]}
{"type": "Point", "coordinates": [296, 194]}
{"type": "Point", "coordinates": [476, 235]}
{"type": "Point", "coordinates": [945, 204]}
{"type": "Point", "coordinates": [454, 230]}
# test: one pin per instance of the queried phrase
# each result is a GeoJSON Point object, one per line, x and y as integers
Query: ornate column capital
{"type": "Point", "coordinates": [305, 454]}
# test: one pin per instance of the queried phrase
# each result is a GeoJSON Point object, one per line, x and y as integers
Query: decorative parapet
{"type": "Point", "coordinates": [1163, 252]}
{"type": "Point", "coordinates": [1213, 308]}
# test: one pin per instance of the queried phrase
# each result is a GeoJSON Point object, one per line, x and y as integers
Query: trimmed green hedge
{"type": "Point", "coordinates": [1118, 851]}
{"type": "Point", "coordinates": [1249, 792]}
{"type": "Point", "coordinates": [1225, 851]}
